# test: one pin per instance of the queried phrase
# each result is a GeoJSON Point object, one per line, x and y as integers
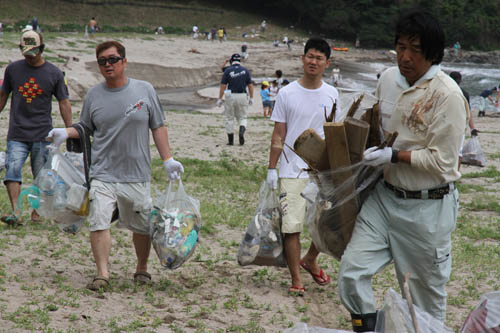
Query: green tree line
{"type": "Point", "coordinates": [474, 23]}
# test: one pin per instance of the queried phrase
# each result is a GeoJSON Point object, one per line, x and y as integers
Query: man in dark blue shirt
{"type": "Point", "coordinates": [486, 94]}
{"type": "Point", "coordinates": [233, 87]}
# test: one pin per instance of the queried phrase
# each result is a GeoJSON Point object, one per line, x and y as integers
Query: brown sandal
{"type": "Point", "coordinates": [98, 282]}
{"type": "Point", "coordinates": [142, 278]}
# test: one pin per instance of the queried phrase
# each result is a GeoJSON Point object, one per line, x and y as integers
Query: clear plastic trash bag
{"type": "Point", "coordinates": [395, 317]}
{"type": "Point", "coordinates": [485, 318]}
{"type": "Point", "coordinates": [304, 328]}
{"type": "Point", "coordinates": [63, 196]}
{"type": "Point", "coordinates": [334, 199]}
{"type": "Point", "coordinates": [262, 243]}
{"type": "Point", "coordinates": [472, 153]}
{"type": "Point", "coordinates": [175, 223]}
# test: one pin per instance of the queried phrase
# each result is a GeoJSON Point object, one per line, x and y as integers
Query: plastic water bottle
{"type": "Point", "coordinates": [60, 195]}
{"type": "Point", "coordinates": [47, 183]}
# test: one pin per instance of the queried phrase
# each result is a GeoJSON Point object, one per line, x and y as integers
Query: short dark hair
{"type": "Point", "coordinates": [420, 23]}
{"type": "Point", "coordinates": [279, 73]}
{"type": "Point", "coordinates": [318, 44]}
{"type": "Point", "coordinates": [109, 44]}
{"type": "Point", "coordinates": [456, 76]}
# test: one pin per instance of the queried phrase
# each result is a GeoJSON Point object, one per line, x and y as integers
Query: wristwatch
{"type": "Point", "coordinates": [394, 157]}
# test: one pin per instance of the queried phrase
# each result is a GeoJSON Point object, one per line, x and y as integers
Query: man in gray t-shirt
{"type": "Point", "coordinates": [119, 113]}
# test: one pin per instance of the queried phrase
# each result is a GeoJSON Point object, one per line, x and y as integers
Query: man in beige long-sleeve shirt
{"type": "Point", "coordinates": [411, 213]}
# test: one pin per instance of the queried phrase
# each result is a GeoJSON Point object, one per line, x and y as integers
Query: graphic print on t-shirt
{"type": "Point", "coordinates": [30, 90]}
{"type": "Point", "coordinates": [134, 107]}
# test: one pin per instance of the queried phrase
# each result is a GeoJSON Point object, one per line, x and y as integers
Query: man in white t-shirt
{"type": "Point", "coordinates": [299, 106]}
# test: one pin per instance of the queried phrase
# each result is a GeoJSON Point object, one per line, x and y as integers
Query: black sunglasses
{"type": "Point", "coordinates": [112, 60]}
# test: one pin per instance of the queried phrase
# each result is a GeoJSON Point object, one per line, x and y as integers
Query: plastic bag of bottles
{"type": "Point", "coordinates": [63, 196]}
{"type": "Point", "coordinates": [175, 223]}
{"type": "Point", "coordinates": [262, 243]}
{"type": "Point", "coordinates": [486, 316]}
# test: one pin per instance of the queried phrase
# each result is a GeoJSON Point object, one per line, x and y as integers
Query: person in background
{"type": "Point", "coordinates": [263, 26]}
{"type": "Point", "coordinates": [92, 27]}
{"type": "Point", "coordinates": [233, 86]}
{"type": "Point", "coordinates": [33, 82]}
{"type": "Point", "coordinates": [213, 33]}
{"type": "Point", "coordinates": [485, 96]}
{"type": "Point", "coordinates": [244, 53]}
{"type": "Point", "coordinates": [299, 106]}
{"type": "Point", "coordinates": [273, 92]}
{"type": "Point", "coordinates": [279, 78]}
{"type": "Point", "coordinates": [114, 111]}
{"type": "Point", "coordinates": [195, 32]}
{"type": "Point", "coordinates": [220, 34]}
{"type": "Point", "coordinates": [34, 24]}
{"type": "Point", "coordinates": [458, 79]}
{"type": "Point", "coordinates": [409, 216]}
{"type": "Point", "coordinates": [266, 100]}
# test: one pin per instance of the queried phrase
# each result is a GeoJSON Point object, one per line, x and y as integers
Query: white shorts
{"type": "Point", "coordinates": [132, 199]}
{"type": "Point", "coordinates": [293, 205]}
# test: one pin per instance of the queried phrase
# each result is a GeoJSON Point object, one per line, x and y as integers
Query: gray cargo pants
{"type": "Point", "coordinates": [416, 234]}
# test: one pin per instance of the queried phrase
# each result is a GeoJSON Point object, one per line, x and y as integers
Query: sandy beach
{"type": "Point", "coordinates": [186, 73]}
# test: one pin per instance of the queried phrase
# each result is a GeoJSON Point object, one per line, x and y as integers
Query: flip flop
{"type": "Point", "coordinates": [296, 291]}
{"type": "Point", "coordinates": [11, 220]}
{"type": "Point", "coordinates": [98, 282]}
{"type": "Point", "coordinates": [142, 278]}
{"type": "Point", "coordinates": [322, 278]}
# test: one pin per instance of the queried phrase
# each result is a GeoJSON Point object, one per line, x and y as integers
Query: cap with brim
{"type": "Point", "coordinates": [30, 41]}
{"type": "Point", "coordinates": [31, 52]}
{"type": "Point", "coordinates": [265, 83]}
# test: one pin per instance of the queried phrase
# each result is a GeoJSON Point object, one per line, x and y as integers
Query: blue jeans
{"type": "Point", "coordinates": [16, 155]}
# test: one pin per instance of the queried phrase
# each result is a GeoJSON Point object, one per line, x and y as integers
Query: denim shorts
{"type": "Point", "coordinates": [16, 155]}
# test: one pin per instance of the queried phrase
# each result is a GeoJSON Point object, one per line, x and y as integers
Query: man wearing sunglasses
{"type": "Point", "coordinates": [32, 81]}
{"type": "Point", "coordinates": [119, 113]}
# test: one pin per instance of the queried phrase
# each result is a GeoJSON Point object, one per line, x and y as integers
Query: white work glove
{"type": "Point", "coordinates": [219, 102]}
{"type": "Point", "coordinates": [375, 157]}
{"type": "Point", "coordinates": [173, 168]}
{"type": "Point", "coordinates": [57, 136]}
{"type": "Point", "coordinates": [250, 101]}
{"type": "Point", "coordinates": [272, 178]}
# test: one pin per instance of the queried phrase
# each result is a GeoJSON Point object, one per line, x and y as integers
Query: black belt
{"type": "Point", "coordinates": [435, 193]}
{"type": "Point", "coordinates": [238, 92]}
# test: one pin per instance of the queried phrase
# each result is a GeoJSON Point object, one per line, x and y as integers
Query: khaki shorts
{"type": "Point", "coordinates": [132, 199]}
{"type": "Point", "coordinates": [293, 205]}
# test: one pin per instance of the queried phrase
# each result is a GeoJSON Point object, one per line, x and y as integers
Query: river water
{"type": "Point", "coordinates": [475, 79]}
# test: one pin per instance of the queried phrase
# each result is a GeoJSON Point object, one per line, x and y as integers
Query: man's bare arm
{"type": "Point", "coordinates": [3, 99]}
{"type": "Point", "coordinates": [277, 141]}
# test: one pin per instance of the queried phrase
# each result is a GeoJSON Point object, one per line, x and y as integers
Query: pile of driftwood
{"type": "Point", "coordinates": [342, 179]}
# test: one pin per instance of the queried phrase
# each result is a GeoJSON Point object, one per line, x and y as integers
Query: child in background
{"type": "Point", "coordinates": [273, 92]}
{"type": "Point", "coordinates": [266, 100]}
